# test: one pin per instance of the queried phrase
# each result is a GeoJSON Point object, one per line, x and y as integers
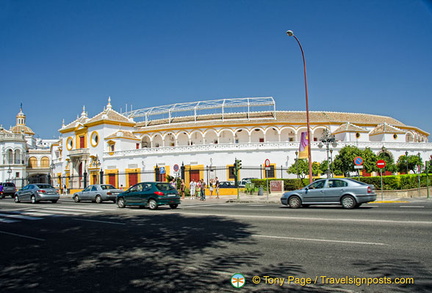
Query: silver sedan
{"type": "Point", "coordinates": [347, 192]}
{"type": "Point", "coordinates": [37, 192]}
{"type": "Point", "coordinates": [97, 193]}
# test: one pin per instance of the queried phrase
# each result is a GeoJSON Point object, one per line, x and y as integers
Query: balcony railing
{"type": "Point", "coordinates": [79, 152]}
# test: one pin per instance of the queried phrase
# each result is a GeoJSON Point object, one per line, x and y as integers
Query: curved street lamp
{"type": "Point", "coordinates": [291, 34]}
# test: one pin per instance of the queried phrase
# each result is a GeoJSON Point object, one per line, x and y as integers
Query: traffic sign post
{"type": "Point", "coordinates": [358, 162]}
{"type": "Point", "coordinates": [381, 164]}
{"type": "Point", "coordinates": [267, 168]}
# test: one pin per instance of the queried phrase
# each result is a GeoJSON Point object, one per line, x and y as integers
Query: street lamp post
{"type": "Point", "coordinates": [326, 140]}
{"type": "Point", "coordinates": [291, 34]}
{"type": "Point", "coordinates": [9, 173]}
{"type": "Point", "coordinates": [406, 159]}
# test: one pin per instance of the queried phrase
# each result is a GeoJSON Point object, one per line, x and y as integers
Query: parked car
{"type": "Point", "coordinates": [227, 184]}
{"type": "Point", "coordinates": [97, 193]}
{"type": "Point", "coordinates": [347, 192]}
{"type": "Point", "coordinates": [37, 192]}
{"type": "Point", "coordinates": [8, 189]}
{"type": "Point", "coordinates": [149, 194]}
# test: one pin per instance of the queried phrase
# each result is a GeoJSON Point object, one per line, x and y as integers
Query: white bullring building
{"type": "Point", "coordinates": [202, 139]}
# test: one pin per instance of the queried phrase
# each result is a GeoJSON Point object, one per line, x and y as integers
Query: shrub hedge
{"type": "Point", "coordinates": [392, 182]}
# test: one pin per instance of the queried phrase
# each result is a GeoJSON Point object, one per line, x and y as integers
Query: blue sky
{"type": "Point", "coordinates": [363, 56]}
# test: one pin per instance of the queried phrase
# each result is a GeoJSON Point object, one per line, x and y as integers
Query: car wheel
{"type": "Point", "coordinates": [98, 199]}
{"type": "Point", "coordinates": [76, 198]}
{"type": "Point", "coordinates": [294, 202]}
{"type": "Point", "coordinates": [173, 206]}
{"type": "Point", "coordinates": [54, 201]}
{"type": "Point", "coordinates": [152, 204]}
{"type": "Point", "coordinates": [33, 199]}
{"type": "Point", "coordinates": [348, 202]}
{"type": "Point", "coordinates": [16, 199]}
{"type": "Point", "coordinates": [121, 202]}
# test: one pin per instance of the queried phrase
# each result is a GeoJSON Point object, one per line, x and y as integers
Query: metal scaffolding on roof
{"type": "Point", "coordinates": [197, 108]}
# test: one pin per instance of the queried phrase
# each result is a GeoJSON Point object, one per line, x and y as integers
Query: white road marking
{"type": "Point", "coordinates": [22, 236]}
{"type": "Point", "coordinates": [21, 217]}
{"type": "Point", "coordinates": [313, 219]}
{"type": "Point", "coordinates": [415, 207]}
{"type": "Point", "coordinates": [319, 240]}
{"type": "Point", "coordinates": [104, 222]}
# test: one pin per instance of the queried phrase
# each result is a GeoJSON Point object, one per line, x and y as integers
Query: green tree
{"type": "Point", "coordinates": [409, 163]}
{"type": "Point", "coordinates": [388, 158]}
{"type": "Point", "coordinates": [369, 160]}
{"type": "Point", "coordinates": [344, 161]}
{"type": "Point", "coordinates": [316, 169]}
{"type": "Point", "coordinates": [300, 168]}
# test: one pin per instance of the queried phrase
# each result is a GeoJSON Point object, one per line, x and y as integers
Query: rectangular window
{"type": "Point", "coordinates": [81, 142]}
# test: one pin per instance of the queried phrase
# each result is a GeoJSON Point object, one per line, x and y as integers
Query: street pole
{"type": "Point", "coordinates": [291, 34]}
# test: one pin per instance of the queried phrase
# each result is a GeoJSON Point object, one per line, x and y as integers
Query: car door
{"type": "Point", "coordinates": [145, 193]}
{"type": "Point", "coordinates": [132, 195]}
{"type": "Point", "coordinates": [85, 194]}
{"type": "Point", "coordinates": [24, 194]}
{"type": "Point", "coordinates": [30, 191]}
{"type": "Point", "coordinates": [314, 193]}
{"type": "Point", "coordinates": [336, 188]}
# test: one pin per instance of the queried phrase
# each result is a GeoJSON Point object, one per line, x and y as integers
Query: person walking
{"type": "Point", "coordinates": [217, 183]}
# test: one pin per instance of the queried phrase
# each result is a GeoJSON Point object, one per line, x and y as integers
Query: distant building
{"type": "Point", "coordinates": [202, 139]}
{"type": "Point", "coordinates": [24, 158]}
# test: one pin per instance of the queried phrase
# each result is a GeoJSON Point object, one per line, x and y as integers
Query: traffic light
{"type": "Point", "coordinates": [239, 164]}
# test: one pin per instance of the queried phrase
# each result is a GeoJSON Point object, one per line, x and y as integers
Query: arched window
{"type": "Point", "coordinates": [18, 157]}
{"type": "Point", "coordinates": [45, 162]}
{"type": "Point", "coordinates": [32, 163]}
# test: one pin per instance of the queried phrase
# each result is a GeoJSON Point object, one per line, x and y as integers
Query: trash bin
{"type": "Point", "coordinates": [260, 191]}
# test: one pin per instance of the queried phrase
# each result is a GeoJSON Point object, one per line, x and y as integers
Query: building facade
{"type": "Point", "coordinates": [201, 140]}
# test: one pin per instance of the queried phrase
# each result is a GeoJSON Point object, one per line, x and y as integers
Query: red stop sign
{"type": "Point", "coordinates": [380, 164]}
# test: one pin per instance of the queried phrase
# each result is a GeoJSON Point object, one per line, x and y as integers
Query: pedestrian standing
{"type": "Point", "coordinates": [182, 189]}
{"type": "Point", "coordinates": [192, 187]}
{"type": "Point", "coordinates": [198, 189]}
{"type": "Point", "coordinates": [211, 186]}
{"type": "Point", "coordinates": [203, 187]}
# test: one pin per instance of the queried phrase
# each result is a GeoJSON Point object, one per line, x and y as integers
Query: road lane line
{"type": "Point", "coordinates": [71, 209]}
{"type": "Point", "coordinates": [22, 236]}
{"type": "Point", "coordinates": [104, 222]}
{"type": "Point", "coordinates": [306, 219]}
{"type": "Point", "coordinates": [415, 207]}
{"type": "Point", "coordinates": [319, 240]}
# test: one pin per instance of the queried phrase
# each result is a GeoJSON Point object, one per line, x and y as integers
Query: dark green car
{"type": "Point", "coordinates": [149, 194]}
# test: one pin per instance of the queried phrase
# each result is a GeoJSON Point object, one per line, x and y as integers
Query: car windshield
{"type": "Point", "coordinates": [107, 186]}
{"type": "Point", "coordinates": [164, 186]}
{"type": "Point", "coordinates": [44, 186]}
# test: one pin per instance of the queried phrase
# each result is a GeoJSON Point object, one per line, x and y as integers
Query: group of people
{"type": "Point", "coordinates": [198, 188]}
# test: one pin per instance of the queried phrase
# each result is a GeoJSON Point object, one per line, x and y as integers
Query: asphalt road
{"type": "Point", "coordinates": [198, 247]}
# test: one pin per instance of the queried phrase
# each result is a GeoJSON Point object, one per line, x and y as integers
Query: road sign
{"type": "Point", "coordinates": [176, 168]}
{"type": "Point", "coordinates": [380, 164]}
{"type": "Point", "coordinates": [267, 163]}
{"type": "Point", "coordinates": [358, 167]}
{"type": "Point", "coordinates": [358, 161]}
{"type": "Point", "coordinates": [162, 170]}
